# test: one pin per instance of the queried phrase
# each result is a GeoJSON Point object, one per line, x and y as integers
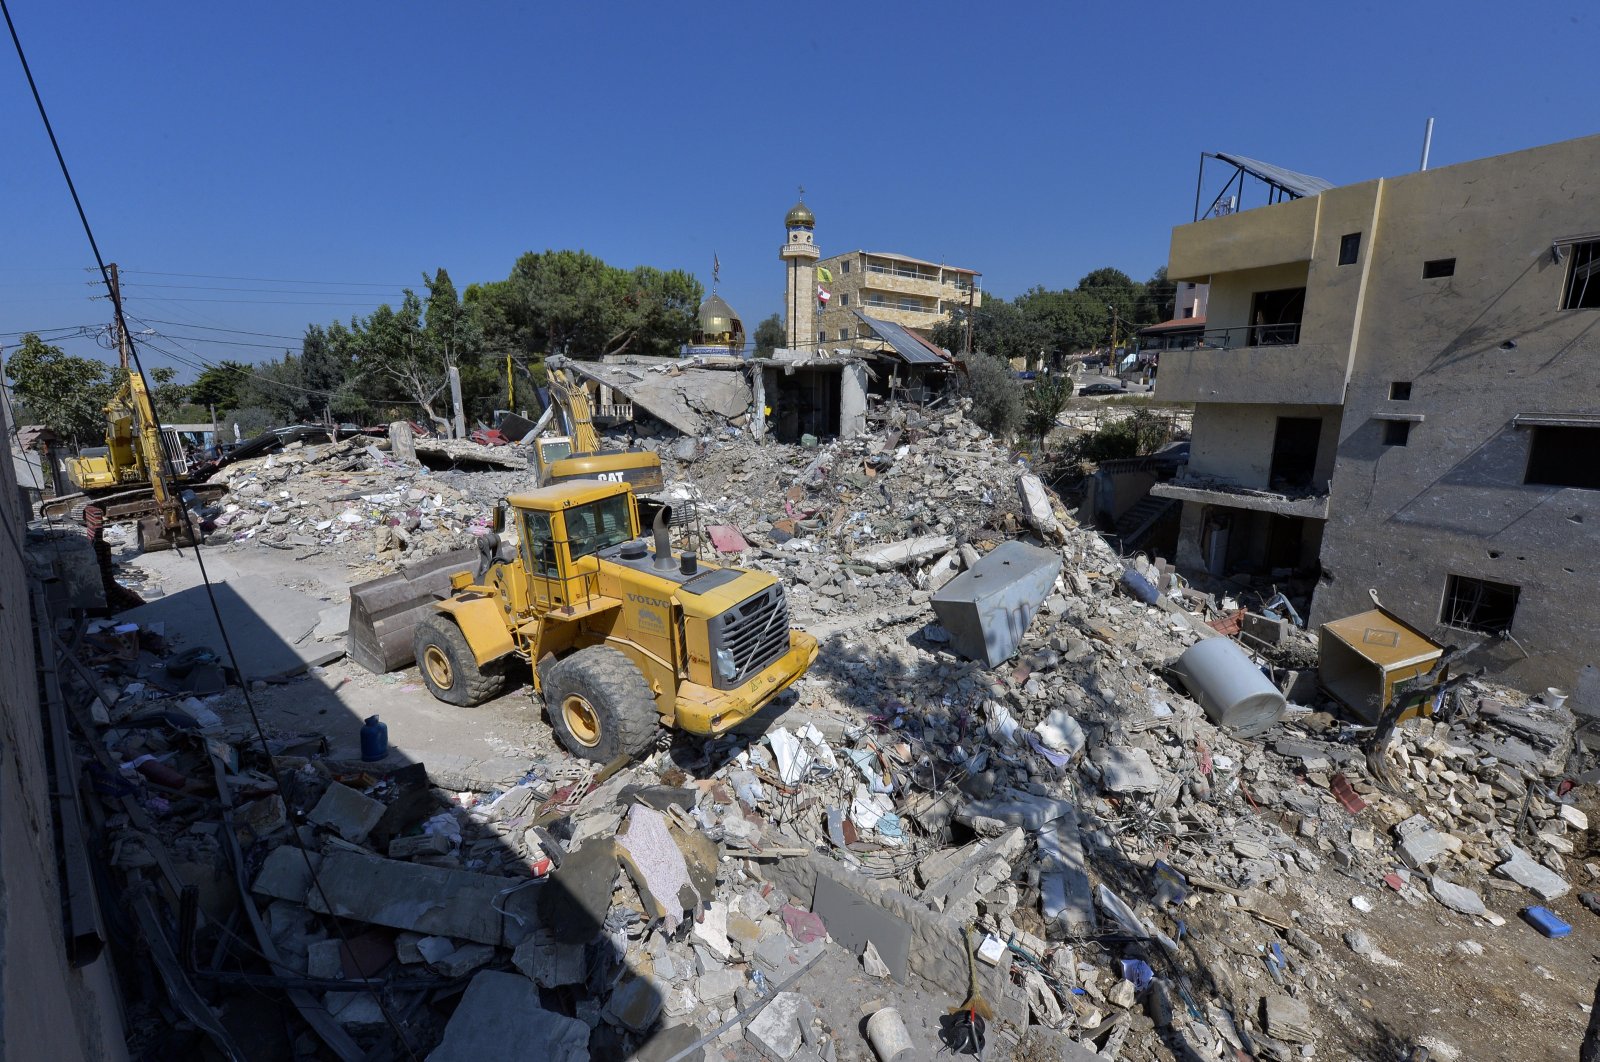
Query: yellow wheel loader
{"type": "Point", "coordinates": [621, 638]}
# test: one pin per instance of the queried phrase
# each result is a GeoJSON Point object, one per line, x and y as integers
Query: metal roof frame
{"type": "Point", "coordinates": [1282, 184]}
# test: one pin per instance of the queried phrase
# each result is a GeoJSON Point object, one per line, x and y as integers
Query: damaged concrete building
{"type": "Point", "coordinates": [1396, 388]}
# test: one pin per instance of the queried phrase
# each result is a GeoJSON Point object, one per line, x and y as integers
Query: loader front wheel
{"type": "Point", "coordinates": [450, 670]}
{"type": "Point", "coordinates": [600, 705]}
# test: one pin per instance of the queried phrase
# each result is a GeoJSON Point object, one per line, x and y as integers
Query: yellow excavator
{"type": "Point", "coordinates": [132, 475]}
{"type": "Point", "coordinates": [577, 454]}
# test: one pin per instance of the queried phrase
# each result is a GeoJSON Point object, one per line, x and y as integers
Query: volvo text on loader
{"type": "Point", "coordinates": [621, 637]}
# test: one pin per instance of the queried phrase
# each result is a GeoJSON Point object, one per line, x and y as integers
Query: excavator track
{"type": "Point", "coordinates": [119, 506]}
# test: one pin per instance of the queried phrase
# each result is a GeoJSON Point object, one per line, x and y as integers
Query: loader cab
{"type": "Point", "coordinates": [562, 529]}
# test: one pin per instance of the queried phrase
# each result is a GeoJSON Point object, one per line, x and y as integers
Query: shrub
{"type": "Point", "coordinates": [996, 395]}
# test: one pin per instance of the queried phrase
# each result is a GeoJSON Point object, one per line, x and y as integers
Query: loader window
{"type": "Point", "coordinates": [540, 545]}
{"type": "Point", "coordinates": [598, 525]}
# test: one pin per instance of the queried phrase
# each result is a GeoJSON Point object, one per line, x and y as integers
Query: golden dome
{"type": "Point", "coordinates": [800, 217]}
{"type": "Point", "coordinates": [717, 316]}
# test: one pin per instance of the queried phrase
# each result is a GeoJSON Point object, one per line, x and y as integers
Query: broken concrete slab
{"type": "Point", "coordinates": [551, 965]}
{"type": "Point", "coordinates": [271, 619]}
{"type": "Point", "coordinates": [1014, 809]}
{"type": "Point", "coordinates": [500, 1017]}
{"type": "Point", "coordinates": [575, 902]}
{"type": "Point", "coordinates": [1457, 897]}
{"type": "Point", "coordinates": [712, 929]}
{"type": "Point", "coordinates": [902, 554]}
{"type": "Point", "coordinates": [285, 875]}
{"type": "Point", "coordinates": [988, 608]}
{"type": "Point", "coordinates": [937, 950]}
{"type": "Point", "coordinates": [777, 1031]}
{"type": "Point", "coordinates": [1528, 872]}
{"type": "Point", "coordinates": [854, 921]}
{"type": "Point", "coordinates": [433, 900]}
{"type": "Point", "coordinates": [635, 1004]}
{"type": "Point", "coordinates": [958, 879]}
{"type": "Point", "coordinates": [1287, 1019]}
{"type": "Point", "coordinates": [1065, 897]}
{"type": "Point", "coordinates": [1126, 769]}
{"type": "Point", "coordinates": [349, 814]}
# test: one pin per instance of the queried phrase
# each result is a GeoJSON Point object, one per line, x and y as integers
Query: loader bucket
{"type": "Point", "coordinates": [384, 611]}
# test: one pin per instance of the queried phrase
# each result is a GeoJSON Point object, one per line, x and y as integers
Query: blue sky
{"type": "Point", "coordinates": [356, 144]}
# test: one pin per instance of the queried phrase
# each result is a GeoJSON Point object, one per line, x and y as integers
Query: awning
{"type": "Point", "coordinates": [912, 348]}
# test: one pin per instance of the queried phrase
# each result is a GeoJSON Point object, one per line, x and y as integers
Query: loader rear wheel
{"type": "Point", "coordinates": [600, 705]}
{"type": "Point", "coordinates": [449, 669]}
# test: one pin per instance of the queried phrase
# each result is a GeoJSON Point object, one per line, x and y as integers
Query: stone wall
{"type": "Point", "coordinates": [48, 1009]}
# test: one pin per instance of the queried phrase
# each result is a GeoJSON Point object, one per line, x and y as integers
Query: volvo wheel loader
{"type": "Point", "coordinates": [621, 637]}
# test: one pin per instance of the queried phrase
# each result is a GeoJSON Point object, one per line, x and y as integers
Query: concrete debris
{"type": "Point", "coordinates": [998, 771]}
{"type": "Point", "coordinates": [500, 1016]}
{"type": "Point", "coordinates": [1521, 868]}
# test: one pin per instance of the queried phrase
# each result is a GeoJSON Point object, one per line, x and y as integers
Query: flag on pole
{"type": "Point", "coordinates": [716, 267]}
{"type": "Point", "coordinates": [824, 274]}
{"type": "Point", "coordinates": [823, 295]}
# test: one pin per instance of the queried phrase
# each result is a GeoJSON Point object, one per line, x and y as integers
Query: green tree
{"type": "Point", "coordinates": [999, 328]}
{"type": "Point", "coordinates": [769, 336]}
{"type": "Point", "coordinates": [1043, 406]}
{"type": "Point", "coordinates": [62, 390]}
{"type": "Point", "coordinates": [996, 395]}
{"type": "Point", "coordinates": [218, 385]}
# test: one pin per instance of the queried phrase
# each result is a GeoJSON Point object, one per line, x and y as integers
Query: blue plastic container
{"type": "Point", "coordinates": [1139, 587]}
{"type": "Point", "coordinates": [1545, 921]}
{"type": "Point", "coordinates": [374, 740]}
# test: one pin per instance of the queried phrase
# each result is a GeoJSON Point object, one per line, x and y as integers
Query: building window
{"type": "Point", "coordinates": [1396, 432]}
{"type": "Point", "coordinates": [844, 334]}
{"type": "Point", "coordinates": [1188, 312]}
{"type": "Point", "coordinates": [1478, 604]}
{"type": "Point", "coordinates": [1349, 248]}
{"type": "Point", "coordinates": [1583, 285]}
{"type": "Point", "coordinates": [1564, 457]}
{"type": "Point", "coordinates": [1188, 285]}
{"type": "Point", "coordinates": [1439, 267]}
{"type": "Point", "coordinates": [844, 299]}
{"type": "Point", "coordinates": [1400, 391]}
{"type": "Point", "coordinates": [844, 267]}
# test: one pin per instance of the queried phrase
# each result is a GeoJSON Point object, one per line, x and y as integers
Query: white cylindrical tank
{"type": "Point", "coordinates": [1231, 688]}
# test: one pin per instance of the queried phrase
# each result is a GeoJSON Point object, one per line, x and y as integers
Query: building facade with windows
{"type": "Point", "coordinates": [1398, 386]}
{"type": "Point", "coordinates": [906, 291]}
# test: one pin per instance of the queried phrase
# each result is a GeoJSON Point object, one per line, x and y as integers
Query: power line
{"type": "Point", "coordinates": [188, 516]}
{"type": "Point", "coordinates": [259, 291]}
{"type": "Point", "coordinates": [216, 328]}
{"type": "Point", "coordinates": [265, 280]}
{"type": "Point", "coordinates": [360, 301]}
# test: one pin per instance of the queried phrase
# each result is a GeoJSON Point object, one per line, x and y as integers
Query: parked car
{"type": "Point", "coordinates": [1104, 388]}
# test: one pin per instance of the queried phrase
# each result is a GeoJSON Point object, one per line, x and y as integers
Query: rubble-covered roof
{"type": "Point", "coordinates": [686, 397]}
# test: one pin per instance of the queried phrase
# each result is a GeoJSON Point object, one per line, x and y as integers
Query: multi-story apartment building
{"type": "Point", "coordinates": [1398, 386]}
{"type": "Point", "coordinates": [890, 287]}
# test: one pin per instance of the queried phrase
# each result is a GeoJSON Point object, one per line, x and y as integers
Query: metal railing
{"type": "Point", "coordinates": [897, 271]}
{"type": "Point", "coordinates": [1273, 335]}
{"type": "Point", "coordinates": [910, 305]}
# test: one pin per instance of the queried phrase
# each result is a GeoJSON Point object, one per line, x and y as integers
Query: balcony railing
{"type": "Point", "coordinates": [909, 305]}
{"type": "Point", "coordinates": [898, 271]}
{"type": "Point", "coordinates": [1266, 335]}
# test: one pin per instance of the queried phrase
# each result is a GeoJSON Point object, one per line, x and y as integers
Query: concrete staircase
{"type": "Point", "coordinates": [1135, 524]}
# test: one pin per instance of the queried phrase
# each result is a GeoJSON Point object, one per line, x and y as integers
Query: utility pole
{"type": "Point", "coordinates": [966, 340]}
{"type": "Point", "coordinates": [455, 400]}
{"type": "Point", "coordinates": [116, 315]}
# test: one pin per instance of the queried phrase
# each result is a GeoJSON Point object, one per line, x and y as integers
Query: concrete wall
{"type": "Point", "coordinates": [47, 1008]}
{"type": "Point", "coordinates": [1453, 500]}
{"type": "Point", "coordinates": [1233, 441]}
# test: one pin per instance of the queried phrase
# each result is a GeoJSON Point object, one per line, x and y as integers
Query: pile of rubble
{"type": "Point", "coordinates": [355, 500]}
{"type": "Point", "coordinates": [1063, 844]}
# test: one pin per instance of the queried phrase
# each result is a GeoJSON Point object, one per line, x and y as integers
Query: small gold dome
{"type": "Point", "coordinates": [800, 217]}
{"type": "Point", "coordinates": [717, 316]}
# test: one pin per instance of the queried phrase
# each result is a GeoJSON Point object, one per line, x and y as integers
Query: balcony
{"type": "Point", "coordinates": [1212, 490]}
{"type": "Point", "coordinates": [904, 305]}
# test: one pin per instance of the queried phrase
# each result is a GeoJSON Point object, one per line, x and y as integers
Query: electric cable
{"type": "Point", "coordinates": [188, 517]}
